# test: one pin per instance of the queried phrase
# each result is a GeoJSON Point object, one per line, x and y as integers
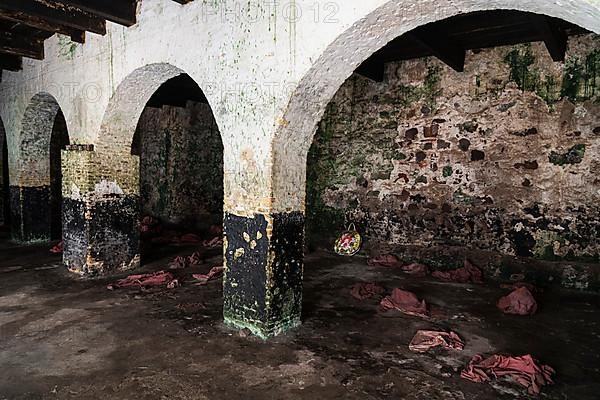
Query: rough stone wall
{"type": "Point", "coordinates": [181, 164]}
{"type": "Point", "coordinates": [503, 157]}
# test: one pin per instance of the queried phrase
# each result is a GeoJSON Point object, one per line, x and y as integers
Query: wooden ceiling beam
{"type": "Point", "coordinates": [440, 45]}
{"type": "Point", "coordinates": [120, 11]}
{"type": "Point", "coordinates": [373, 68]}
{"type": "Point", "coordinates": [553, 36]}
{"type": "Point", "coordinates": [56, 14]}
{"type": "Point", "coordinates": [38, 23]}
{"type": "Point", "coordinates": [25, 46]}
{"type": "Point", "coordinates": [11, 62]}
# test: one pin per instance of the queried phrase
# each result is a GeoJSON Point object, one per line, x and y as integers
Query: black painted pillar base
{"type": "Point", "coordinates": [101, 234]}
{"type": "Point", "coordinates": [263, 272]}
{"type": "Point", "coordinates": [30, 214]}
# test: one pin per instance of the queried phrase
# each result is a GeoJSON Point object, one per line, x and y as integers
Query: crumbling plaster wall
{"type": "Point", "coordinates": [503, 157]}
{"type": "Point", "coordinates": [265, 72]}
{"type": "Point", "coordinates": [181, 165]}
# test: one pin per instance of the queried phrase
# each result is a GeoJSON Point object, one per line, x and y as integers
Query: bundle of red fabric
{"type": "Point", "coordinates": [416, 269]}
{"type": "Point", "coordinates": [215, 242]}
{"type": "Point", "coordinates": [425, 340]}
{"type": "Point", "coordinates": [58, 249]}
{"type": "Point", "coordinates": [213, 273]}
{"type": "Point", "coordinates": [365, 290]}
{"type": "Point", "coordinates": [468, 273]}
{"type": "Point", "coordinates": [385, 260]}
{"type": "Point", "coordinates": [525, 370]}
{"type": "Point", "coordinates": [189, 238]}
{"type": "Point", "coordinates": [406, 302]}
{"type": "Point", "coordinates": [155, 279]}
{"type": "Point", "coordinates": [181, 262]}
{"type": "Point", "coordinates": [520, 302]}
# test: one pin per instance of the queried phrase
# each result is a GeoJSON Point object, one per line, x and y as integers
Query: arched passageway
{"type": "Point", "coordinates": [437, 164]}
{"type": "Point", "coordinates": [181, 166]}
{"type": "Point", "coordinates": [36, 198]}
{"type": "Point", "coordinates": [58, 142]}
{"type": "Point", "coordinates": [4, 180]}
{"type": "Point", "coordinates": [160, 156]}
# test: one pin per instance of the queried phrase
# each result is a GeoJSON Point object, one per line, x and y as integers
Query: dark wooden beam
{"type": "Point", "coordinates": [55, 14]}
{"type": "Point", "coordinates": [25, 46]}
{"type": "Point", "coordinates": [38, 23]}
{"type": "Point", "coordinates": [440, 45]}
{"type": "Point", "coordinates": [373, 68]}
{"type": "Point", "coordinates": [553, 36]}
{"type": "Point", "coordinates": [10, 63]}
{"type": "Point", "coordinates": [120, 11]}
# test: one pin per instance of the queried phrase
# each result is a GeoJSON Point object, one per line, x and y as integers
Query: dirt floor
{"type": "Point", "coordinates": [64, 337]}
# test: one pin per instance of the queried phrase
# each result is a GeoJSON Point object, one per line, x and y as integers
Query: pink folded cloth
{"type": "Point", "coordinates": [406, 302]}
{"type": "Point", "coordinates": [525, 370]}
{"type": "Point", "coordinates": [425, 340]}
{"type": "Point", "coordinates": [468, 273]}
{"type": "Point", "coordinates": [519, 302]}
{"type": "Point", "coordinates": [365, 290]}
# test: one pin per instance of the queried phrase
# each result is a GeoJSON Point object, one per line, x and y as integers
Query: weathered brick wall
{"type": "Point", "coordinates": [503, 157]}
{"type": "Point", "coordinates": [181, 164]}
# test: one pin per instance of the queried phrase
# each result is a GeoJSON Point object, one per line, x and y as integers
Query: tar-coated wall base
{"type": "Point", "coordinates": [263, 272]}
{"type": "Point", "coordinates": [30, 214]}
{"type": "Point", "coordinates": [101, 235]}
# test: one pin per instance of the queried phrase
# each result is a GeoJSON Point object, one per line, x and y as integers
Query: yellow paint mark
{"type": "Point", "coordinates": [238, 253]}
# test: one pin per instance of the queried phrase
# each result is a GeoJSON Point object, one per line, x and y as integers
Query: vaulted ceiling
{"type": "Point", "coordinates": [25, 24]}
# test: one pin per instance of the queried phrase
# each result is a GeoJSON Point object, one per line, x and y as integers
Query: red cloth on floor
{"type": "Point", "coordinates": [520, 302]}
{"type": "Point", "coordinates": [155, 279]}
{"type": "Point", "coordinates": [385, 260]}
{"type": "Point", "coordinates": [416, 269]}
{"type": "Point", "coordinates": [181, 262]}
{"type": "Point", "coordinates": [517, 285]}
{"type": "Point", "coordinates": [468, 273]}
{"type": "Point", "coordinates": [425, 340]}
{"type": "Point", "coordinates": [217, 241]}
{"type": "Point", "coordinates": [58, 249]}
{"type": "Point", "coordinates": [365, 290]}
{"type": "Point", "coordinates": [406, 302]}
{"type": "Point", "coordinates": [213, 273]}
{"type": "Point", "coordinates": [189, 238]}
{"type": "Point", "coordinates": [525, 370]}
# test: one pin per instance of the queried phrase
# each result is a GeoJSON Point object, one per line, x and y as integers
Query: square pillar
{"type": "Point", "coordinates": [263, 256]}
{"type": "Point", "coordinates": [100, 221]}
{"type": "Point", "coordinates": [30, 213]}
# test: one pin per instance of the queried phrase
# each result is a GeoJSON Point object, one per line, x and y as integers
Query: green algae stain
{"type": "Point", "coordinates": [573, 156]}
{"type": "Point", "coordinates": [520, 60]}
{"type": "Point", "coordinates": [581, 79]}
{"type": "Point", "coordinates": [447, 171]}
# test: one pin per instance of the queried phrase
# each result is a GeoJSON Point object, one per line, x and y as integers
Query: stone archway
{"type": "Point", "coordinates": [32, 200]}
{"type": "Point", "coordinates": [108, 240]}
{"type": "Point", "coordinates": [317, 87]}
